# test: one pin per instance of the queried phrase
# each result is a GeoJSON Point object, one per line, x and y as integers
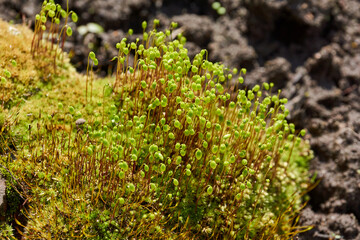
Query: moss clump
{"type": "Point", "coordinates": [165, 151]}
{"type": "Point", "coordinates": [21, 75]}
{"type": "Point", "coordinates": [12, 200]}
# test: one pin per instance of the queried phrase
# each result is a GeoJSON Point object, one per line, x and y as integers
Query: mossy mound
{"type": "Point", "coordinates": [166, 149]}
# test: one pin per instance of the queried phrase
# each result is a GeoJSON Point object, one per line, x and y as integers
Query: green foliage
{"type": "Point", "coordinates": [169, 152]}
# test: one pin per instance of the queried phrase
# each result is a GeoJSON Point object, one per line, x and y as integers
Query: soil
{"type": "Point", "coordinates": [309, 48]}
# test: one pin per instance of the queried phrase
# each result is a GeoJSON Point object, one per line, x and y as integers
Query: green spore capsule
{"type": "Point", "coordinates": [106, 142]}
{"type": "Point", "coordinates": [209, 190]}
{"type": "Point", "coordinates": [90, 150]}
{"type": "Point", "coordinates": [124, 166]}
{"type": "Point", "coordinates": [171, 136]}
{"type": "Point", "coordinates": [177, 146]}
{"type": "Point", "coordinates": [153, 187]}
{"type": "Point", "coordinates": [146, 167]}
{"type": "Point", "coordinates": [162, 167]}
{"type": "Point", "coordinates": [222, 148]}
{"type": "Point", "coordinates": [7, 73]}
{"type": "Point", "coordinates": [215, 149]}
{"type": "Point", "coordinates": [121, 174]}
{"type": "Point", "coordinates": [178, 160]}
{"type": "Point", "coordinates": [177, 124]}
{"type": "Point", "coordinates": [131, 187]}
{"type": "Point", "coordinates": [303, 132]}
{"type": "Point", "coordinates": [153, 148]}
{"type": "Point", "coordinates": [244, 162]}
{"type": "Point", "coordinates": [74, 17]}
{"type": "Point", "coordinates": [213, 164]}
{"type": "Point", "coordinates": [144, 84]}
{"type": "Point", "coordinates": [144, 25]}
{"type": "Point", "coordinates": [232, 159]}
{"type": "Point", "coordinates": [69, 31]}
{"type": "Point", "coordinates": [166, 128]}
{"type": "Point", "coordinates": [198, 154]}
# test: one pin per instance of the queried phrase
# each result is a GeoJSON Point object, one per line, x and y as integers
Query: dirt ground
{"type": "Point", "coordinates": [308, 48]}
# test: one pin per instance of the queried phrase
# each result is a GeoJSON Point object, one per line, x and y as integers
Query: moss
{"type": "Point", "coordinates": [13, 202]}
{"type": "Point", "coordinates": [15, 46]}
{"type": "Point", "coordinates": [162, 151]}
{"type": "Point", "coordinates": [69, 92]}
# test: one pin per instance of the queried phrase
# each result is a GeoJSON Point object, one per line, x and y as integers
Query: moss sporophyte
{"type": "Point", "coordinates": [167, 152]}
{"type": "Point", "coordinates": [49, 35]}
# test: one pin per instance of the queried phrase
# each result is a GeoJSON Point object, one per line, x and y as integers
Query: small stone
{"type": "Point", "coordinates": [80, 122]}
